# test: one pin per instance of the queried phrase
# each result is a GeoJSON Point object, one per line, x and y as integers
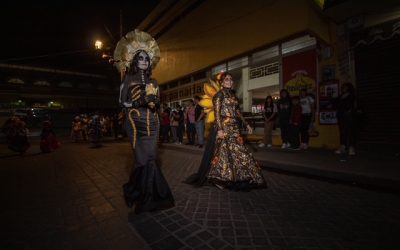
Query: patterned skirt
{"type": "Point", "coordinates": [232, 165]}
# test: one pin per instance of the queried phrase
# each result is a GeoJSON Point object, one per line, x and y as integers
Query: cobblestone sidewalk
{"type": "Point", "coordinates": [72, 199]}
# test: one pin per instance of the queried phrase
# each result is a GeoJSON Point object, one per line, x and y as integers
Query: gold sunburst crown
{"type": "Point", "coordinates": [130, 44]}
{"type": "Point", "coordinates": [210, 89]}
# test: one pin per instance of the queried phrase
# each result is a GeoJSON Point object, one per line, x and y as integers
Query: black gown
{"type": "Point", "coordinates": [200, 178]}
{"type": "Point", "coordinates": [147, 188]}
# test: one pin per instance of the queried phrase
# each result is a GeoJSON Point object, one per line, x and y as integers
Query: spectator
{"type": "Point", "coordinates": [165, 124]}
{"type": "Point", "coordinates": [345, 115]}
{"type": "Point", "coordinates": [48, 139]}
{"type": "Point", "coordinates": [307, 117]}
{"type": "Point", "coordinates": [84, 126]}
{"type": "Point", "coordinates": [181, 124]}
{"type": "Point", "coordinates": [199, 118]}
{"type": "Point", "coordinates": [295, 123]}
{"type": "Point", "coordinates": [270, 113]}
{"type": "Point", "coordinates": [76, 131]}
{"type": "Point", "coordinates": [284, 109]}
{"type": "Point", "coordinates": [174, 125]}
{"type": "Point", "coordinates": [190, 122]}
{"type": "Point", "coordinates": [17, 137]}
{"type": "Point", "coordinates": [95, 130]}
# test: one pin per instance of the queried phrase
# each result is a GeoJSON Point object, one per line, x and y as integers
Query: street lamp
{"type": "Point", "coordinates": [105, 51]}
{"type": "Point", "coordinates": [98, 45]}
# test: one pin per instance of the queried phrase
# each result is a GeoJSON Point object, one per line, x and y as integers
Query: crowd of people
{"type": "Point", "coordinates": [92, 128]}
{"type": "Point", "coordinates": [296, 116]}
{"type": "Point", "coordinates": [176, 121]}
{"type": "Point", "coordinates": [17, 135]}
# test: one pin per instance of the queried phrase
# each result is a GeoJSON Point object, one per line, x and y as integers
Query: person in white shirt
{"type": "Point", "coordinates": [307, 118]}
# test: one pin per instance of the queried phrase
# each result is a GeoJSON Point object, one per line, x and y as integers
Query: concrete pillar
{"type": "Point", "coordinates": [247, 95]}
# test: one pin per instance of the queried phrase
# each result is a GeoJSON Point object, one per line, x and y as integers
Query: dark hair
{"type": "Point", "coordinates": [285, 91]}
{"type": "Point", "coordinates": [133, 67]}
{"type": "Point", "coordinates": [221, 76]}
{"type": "Point", "coordinates": [266, 105]}
{"type": "Point", "coordinates": [198, 98]}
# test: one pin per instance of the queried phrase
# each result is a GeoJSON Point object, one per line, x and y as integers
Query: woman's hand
{"type": "Point", "coordinates": [249, 130]}
{"type": "Point", "coordinates": [220, 134]}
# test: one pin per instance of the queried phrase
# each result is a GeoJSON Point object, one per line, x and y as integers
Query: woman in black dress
{"type": "Point", "coordinates": [147, 188]}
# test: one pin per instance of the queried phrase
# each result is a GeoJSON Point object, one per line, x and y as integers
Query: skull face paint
{"type": "Point", "coordinates": [143, 61]}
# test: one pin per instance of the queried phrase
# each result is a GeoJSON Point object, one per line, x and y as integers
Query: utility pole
{"type": "Point", "coordinates": [122, 74]}
{"type": "Point", "coordinates": [120, 24]}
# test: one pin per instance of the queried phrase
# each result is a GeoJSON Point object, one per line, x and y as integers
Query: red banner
{"type": "Point", "coordinates": [300, 71]}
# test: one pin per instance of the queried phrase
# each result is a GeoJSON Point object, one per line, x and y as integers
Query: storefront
{"type": "Point", "coordinates": [264, 52]}
{"type": "Point", "coordinates": [377, 75]}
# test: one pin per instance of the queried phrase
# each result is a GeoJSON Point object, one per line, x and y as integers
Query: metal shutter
{"type": "Point", "coordinates": [378, 89]}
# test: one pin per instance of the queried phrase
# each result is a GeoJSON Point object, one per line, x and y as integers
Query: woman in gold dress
{"type": "Point", "coordinates": [232, 165]}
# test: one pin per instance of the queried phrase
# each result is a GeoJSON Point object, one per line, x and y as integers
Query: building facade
{"type": "Point", "coordinates": [267, 46]}
{"type": "Point", "coordinates": [39, 87]}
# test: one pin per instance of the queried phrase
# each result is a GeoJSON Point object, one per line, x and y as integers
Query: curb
{"type": "Point", "coordinates": [356, 179]}
{"type": "Point", "coordinates": [362, 180]}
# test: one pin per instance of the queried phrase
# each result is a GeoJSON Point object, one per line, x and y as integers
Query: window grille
{"type": "Point", "coordinates": [264, 70]}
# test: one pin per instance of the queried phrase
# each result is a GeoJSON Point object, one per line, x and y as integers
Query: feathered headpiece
{"type": "Point", "coordinates": [210, 89]}
{"type": "Point", "coordinates": [130, 44]}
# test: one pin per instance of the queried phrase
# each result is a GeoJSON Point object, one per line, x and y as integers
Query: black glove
{"type": "Point", "coordinates": [151, 98]}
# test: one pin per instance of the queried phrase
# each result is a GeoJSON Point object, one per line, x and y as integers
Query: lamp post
{"type": "Point", "coordinates": [105, 53]}
{"type": "Point", "coordinates": [104, 50]}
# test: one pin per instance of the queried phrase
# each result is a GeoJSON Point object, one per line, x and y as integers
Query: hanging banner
{"type": "Point", "coordinates": [299, 72]}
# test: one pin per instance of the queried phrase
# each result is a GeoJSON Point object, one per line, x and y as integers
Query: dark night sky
{"type": "Point", "coordinates": [48, 28]}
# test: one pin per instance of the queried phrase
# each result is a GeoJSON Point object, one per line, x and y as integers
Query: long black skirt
{"type": "Point", "coordinates": [147, 188]}
{"type": "Point", "coordinates": [200, 178]}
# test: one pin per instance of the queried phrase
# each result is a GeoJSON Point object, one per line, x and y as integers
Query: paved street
{"type": "Point", "coordinates": [72, 199]}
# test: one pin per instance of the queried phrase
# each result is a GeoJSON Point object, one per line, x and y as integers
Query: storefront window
{"type": "Point", "coordinates": [259, 96]}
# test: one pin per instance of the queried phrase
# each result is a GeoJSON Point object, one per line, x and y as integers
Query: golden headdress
{"type": "Point", "coordinates": [130, 44]}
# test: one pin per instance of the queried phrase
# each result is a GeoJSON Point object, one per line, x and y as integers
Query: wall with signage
{"type": "Point", "coordinates": [183, 92]}
{"type": "Point", "coordinates": [300, 71]}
